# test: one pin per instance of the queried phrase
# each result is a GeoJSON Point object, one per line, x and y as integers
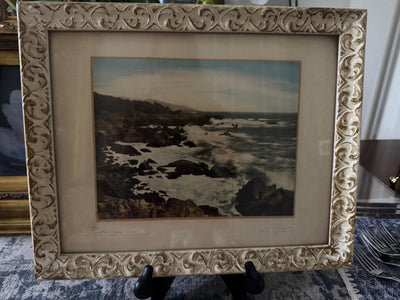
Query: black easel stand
{"type": "Point", "coordinates": [239, 284]}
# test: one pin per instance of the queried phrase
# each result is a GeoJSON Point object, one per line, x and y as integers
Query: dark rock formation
{"type": "Point", "coordinates": [152, 197]}
{"type": "Point", "coordinates": [132, 135]}
{"type": "Point", "coordinates": [217, 172]}
{"type": "Point", "coordinates": [186, 167]}
{"type": "Point", "coordinates": [161, 169]}
{"type": "Point", "coordinates": [257, 199]}
{"type": "Point", "coordinates": [226, 133]}
{"type": "Point", "coordinates": [189, 144]}
{"type": "Point", "coordinates": [172, 175]}
{"type": "Point", "coordinates": [163, 136]}
{"type": "Point", "coordinates": [100, 138]}
{"type": "Point", "coordinates": [209, 210]}
{"type": "Point", "coordinates": [145, 166]}
{"type": "Point", "coordinates": [133, 161]}
{"type": "Point", "coordinates": [100, 156]}
{"type": "Point", "coordinates": [124, 149]}
{"type": "Point", "coordinates": [146, 169]}
{"type": "Point", "coordinates": [109, 183]}
{"type": "Point", "coordinates": [180, 208]}
{"type": "Point", "coordinates": [152, 205]}
{"type": "Point", "coordinates": [118, 119]}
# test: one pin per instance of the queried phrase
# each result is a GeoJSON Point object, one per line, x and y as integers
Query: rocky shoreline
{"type": "Point", "coordinates": [120, 193]}
{"type": "Point", "coordinates": [255, 198]}
{"type": "Point", "coordinates": [124, 203]}
{"type": "Point", "coordinates": [122, 121]}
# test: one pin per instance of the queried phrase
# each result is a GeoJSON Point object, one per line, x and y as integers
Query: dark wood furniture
{"type": "Point", "coordinates": [382, 159]}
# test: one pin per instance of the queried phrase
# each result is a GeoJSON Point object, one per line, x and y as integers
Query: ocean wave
{"type": "Point", "coordinates": [199, 134]}
{"type": "Point", "coordinates": [223, 155]}
{"type": "Point", "coordinates": [248, 153]}
{"type": "Point", "coordinates": [216, 192]}
{"type": "Point", "coordinates": [231, 123]}
{"type": "Point", "coordinates": [161, 155]}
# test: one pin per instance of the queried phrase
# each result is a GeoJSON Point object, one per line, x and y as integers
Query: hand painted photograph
{"type": "Point", "coordinates": [195, 138]}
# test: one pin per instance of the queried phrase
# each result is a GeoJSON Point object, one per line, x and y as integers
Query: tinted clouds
{"type": "Point", "coordinates": [241, 86]}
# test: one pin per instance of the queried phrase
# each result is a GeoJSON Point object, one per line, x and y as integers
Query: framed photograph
{"type": "Point", "coordinates": [14, 209]}
{"type": "Point", "coordinates": [192, 138]}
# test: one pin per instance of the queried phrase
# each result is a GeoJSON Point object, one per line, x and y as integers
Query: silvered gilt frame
{"type": "Point", "coordinates": [37, 19]}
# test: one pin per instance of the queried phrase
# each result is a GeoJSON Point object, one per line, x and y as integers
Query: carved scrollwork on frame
{"type": "Point", "coordinates": [36, 19]}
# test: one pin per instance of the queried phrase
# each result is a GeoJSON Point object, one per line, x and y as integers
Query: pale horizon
{"type": "Point", "coordinates": [202, 85]}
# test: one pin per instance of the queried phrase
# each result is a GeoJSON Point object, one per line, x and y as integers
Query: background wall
{"type": "Point", "coordinates": [381, 104]}
{"type": "Point", "coordinates": [381, 107]}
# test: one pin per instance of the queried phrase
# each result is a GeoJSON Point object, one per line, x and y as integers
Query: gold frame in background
{"type": "Point", "coordinates": [14, 206]}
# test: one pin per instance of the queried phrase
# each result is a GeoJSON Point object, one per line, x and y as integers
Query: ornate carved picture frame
{"type": "Point", "coordinates": [59, 45]}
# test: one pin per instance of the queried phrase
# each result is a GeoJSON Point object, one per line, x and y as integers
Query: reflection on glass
{"type": "Point", "coordinates": [12, 150]}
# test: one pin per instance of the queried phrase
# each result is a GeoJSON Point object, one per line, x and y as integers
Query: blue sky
{"type": "Point", "coordinates": [208, 85]}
